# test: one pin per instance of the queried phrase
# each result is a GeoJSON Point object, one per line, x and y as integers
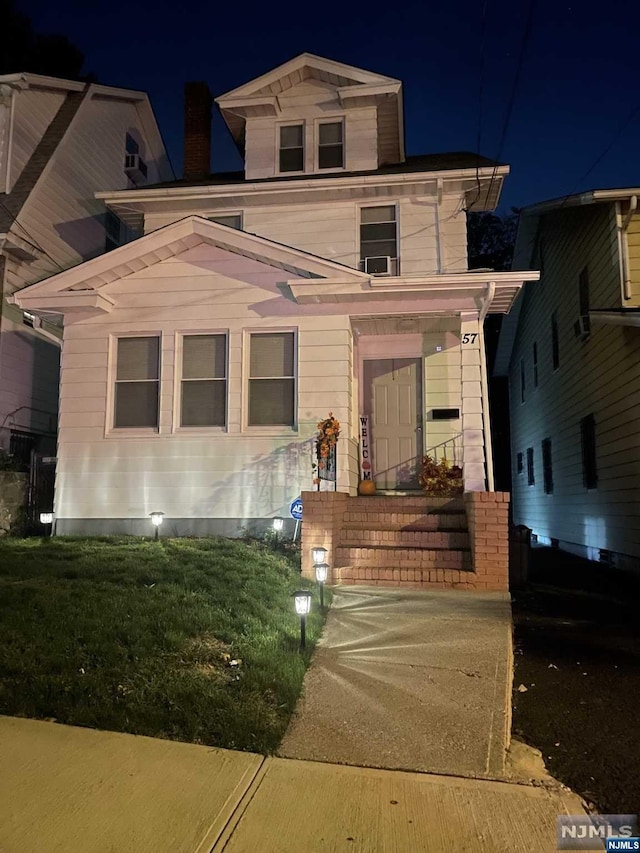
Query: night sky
{"type": "Point", "coordinates": [578, 90]}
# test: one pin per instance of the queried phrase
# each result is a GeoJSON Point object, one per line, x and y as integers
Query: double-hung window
{"type": "Point", "coordinates": [203, 393]}
{"type": "Point", "coordinates": [291, 148]}
{"type": "Point", "coordinates": [379, 240]}
{"type": "Point", "coordinates": [331, 145]}
{"type": "Point", "coordinates": [137, 382]}
{"type": "Point", "coordinates": [272, 383]}
{"type": "Point", "coordinates": [547, 466]}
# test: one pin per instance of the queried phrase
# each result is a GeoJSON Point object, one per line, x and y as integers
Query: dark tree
{"type": "Point", "coordinates": [23, 49]}
{"type": "Point", "coordinates": [491, 239]}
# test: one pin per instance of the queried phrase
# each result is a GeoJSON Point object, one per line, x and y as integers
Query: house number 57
{"type": "Point", "coordinates": [469, 337]}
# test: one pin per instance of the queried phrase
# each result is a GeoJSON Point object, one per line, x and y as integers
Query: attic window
{"type": "Point", "coordinates": [331, 145]}
{"type": "Point", "coordinates": [233, 220]}
{"type": "Point", "coordinates": [292, 148]}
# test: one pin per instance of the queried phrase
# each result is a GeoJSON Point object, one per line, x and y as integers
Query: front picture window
{"type": "Point", "coordinates": [137, 382]}
{"type": "Point", "coordinates": [272, 379]}
{"type": "Point", "coordinates": [204, 381]}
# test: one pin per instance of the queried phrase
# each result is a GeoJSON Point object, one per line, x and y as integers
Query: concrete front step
{"type": "Point", "coordinates": [395, 557]}
{"type": "Point", "coordinates": [423, 578]}
{"type": "Point", "coordinates": [356, 537]}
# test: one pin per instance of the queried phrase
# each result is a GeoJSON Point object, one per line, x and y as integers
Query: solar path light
{"type": "Point", "coordinates": [156, 519]}
{"type": "Point", "coordinates": [278, 524]}
{"type": "Point", "coordinates": [302, 601]}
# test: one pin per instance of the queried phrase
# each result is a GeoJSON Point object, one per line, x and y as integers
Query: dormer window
{"type": "Point", "coordinates": [292, 148]}
{"type": "Point", "coordinates": [331, 145]}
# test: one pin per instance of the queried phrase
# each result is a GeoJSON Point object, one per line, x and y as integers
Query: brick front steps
{"type": "Point", "coordinates": [411, 541]}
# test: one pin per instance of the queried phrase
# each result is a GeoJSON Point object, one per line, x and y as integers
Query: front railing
{"type": "Point", "coordinates": [451, 450]}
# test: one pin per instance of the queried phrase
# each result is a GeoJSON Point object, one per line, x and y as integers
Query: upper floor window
{"type": "Point", "coordinates": [117, 232]}
{"type": "Point", "coordinates": [291, 151]}
{"type": "Point", "coordinates": [203, 399]}
{"type": "Point", "coordinates": [272, 379]}
{"type": "Point", "coordinates": [531, 476]}
{"type": "Point", "coordinates": [547, 466]}
{"type": "Point", "coordinates": [379, 240]}
{"type": "Point", "coordinates": [232, 220]}
{"type": "Point", "coordinates": [130, 144]}
{"type": "Point", "coordinates": [522, 382]}
{"type": "Point", "coordinates": [331, 145]}
{"type": "Point", "coordinates": [137, 382]}
{"type": "Point", "coordinates": [535, 364]}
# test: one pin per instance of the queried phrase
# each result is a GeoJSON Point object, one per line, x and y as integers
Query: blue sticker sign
{"type": "Point", "coordinates": [296, 509]}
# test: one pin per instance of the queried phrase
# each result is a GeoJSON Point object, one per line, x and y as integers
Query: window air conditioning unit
{"type": "Point", "coordinates": [378, 266]}
{"type": "Point", "coordinates": [582, 327]}
{"type": "Point", "coordinates": [135, 168]}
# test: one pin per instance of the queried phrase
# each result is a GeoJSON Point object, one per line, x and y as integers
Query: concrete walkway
{"type": "Point", "coordinates": [409, 680]}
{"type": "Point", "coordinates": [72, 790]}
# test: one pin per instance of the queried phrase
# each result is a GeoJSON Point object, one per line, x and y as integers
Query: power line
{"type": "Point", "coordinates": [514, 90]}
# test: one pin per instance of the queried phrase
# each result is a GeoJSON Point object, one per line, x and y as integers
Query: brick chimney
{"type": "Point", "coordinates": [197, 130]}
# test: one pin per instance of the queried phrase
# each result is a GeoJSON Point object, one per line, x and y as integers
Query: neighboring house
{"type": "Point", "coordinates": [330, 276]}
{"type": "Point", "coordinates": [571, 348]}
{"type": "Point", "coordinates": [60, 141]}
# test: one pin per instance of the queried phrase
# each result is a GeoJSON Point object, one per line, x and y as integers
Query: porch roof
{"type": "Point", "coordinates": [493, 292]}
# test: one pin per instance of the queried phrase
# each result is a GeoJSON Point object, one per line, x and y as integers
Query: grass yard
{"type": "Point", "coordinates": [138, 636]}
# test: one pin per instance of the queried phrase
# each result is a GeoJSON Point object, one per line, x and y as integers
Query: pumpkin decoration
{"type": "Point", "coordinates": [366, 487]}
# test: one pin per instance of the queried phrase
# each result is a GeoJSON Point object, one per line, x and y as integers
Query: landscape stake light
{"type": "Point", "coordinates": [46, 518]}
{"type": "Point", "coordinates": [322, 569]}
{"type": "Point", "coordinates": [319, 555]}
{"type": "Point", "coordinates": [278, 524]}
{"type": "Point", "coordinates": [156, 519]}
{"type": "Point", "coordinates": [302, 600]}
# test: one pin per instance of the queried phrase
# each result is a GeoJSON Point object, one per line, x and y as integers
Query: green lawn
{"type": "Point", "coordinates": [137, 636]}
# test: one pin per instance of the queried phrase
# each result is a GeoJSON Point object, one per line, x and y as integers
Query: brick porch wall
{"type": "Point", "coordinates": [487, 525]}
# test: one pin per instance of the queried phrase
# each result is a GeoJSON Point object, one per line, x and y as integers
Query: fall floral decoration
{"type": "Point", "coordinates": [326, 440]}
{"type": "Point", "coordinates": [440, 478]}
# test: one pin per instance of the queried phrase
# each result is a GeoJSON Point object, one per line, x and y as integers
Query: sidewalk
{"type": "Point", "coordinates": [72, 790]}
{"type": "Point", "coordinates": [409, 680]}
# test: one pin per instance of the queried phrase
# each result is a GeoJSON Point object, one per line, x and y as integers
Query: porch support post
{"type": "Point", "coordinates": [473, 425]}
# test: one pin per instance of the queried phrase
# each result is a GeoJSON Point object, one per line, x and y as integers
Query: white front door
{"type": "Point", "coordinates": [393, 400]}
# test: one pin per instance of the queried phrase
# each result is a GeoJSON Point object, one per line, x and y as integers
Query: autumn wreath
{"type": "Point", "coordinates": [326, 440]}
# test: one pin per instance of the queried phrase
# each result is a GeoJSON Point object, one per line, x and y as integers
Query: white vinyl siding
{"type": "Point", "coordinates": [136, 382]}
{"type": "Point", "coordinates": [203, 397]}
{"type": "Point", "coordinates": [271, 393]}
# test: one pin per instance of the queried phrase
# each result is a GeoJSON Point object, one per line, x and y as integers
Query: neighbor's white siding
{"type": "Point", "coordinates": [308, 103]}
{"type": "Point", "coordinates": [33, 112]}
{"type": "Point", "coordinates": [240, 473]}
{"type": "Point", "coordinates": [599, 376]}
{"type": "Point", "coordinates": [62, 215]}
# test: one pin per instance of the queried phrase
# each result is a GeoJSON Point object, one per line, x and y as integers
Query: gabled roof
{"type": "Point", "coordinates": [82, 287]}
{"type": "Point", "coordinates": [354, 87]}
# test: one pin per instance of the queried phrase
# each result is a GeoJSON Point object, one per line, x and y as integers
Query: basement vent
{"type": "Point", "coordinates": [445, 414]}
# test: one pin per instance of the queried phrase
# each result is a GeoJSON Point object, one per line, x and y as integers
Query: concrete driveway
{"type": "Point", "coordinates": [410, 680]}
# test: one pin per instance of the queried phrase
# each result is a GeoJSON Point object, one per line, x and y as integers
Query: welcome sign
{"type": "Point", "coordinates": [365, 449]}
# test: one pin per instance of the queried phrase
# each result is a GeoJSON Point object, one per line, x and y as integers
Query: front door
{"type": "Point", "coordinates": [393, 399]}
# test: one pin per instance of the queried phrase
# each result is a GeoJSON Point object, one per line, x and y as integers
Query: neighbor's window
{"type": "Point", "coordinates": [589, 462]}
{"type": "Point", "coordinates": [519, 463]}
{"type": "Point", "coordinates": [522, 382]}
{"type": "Point", "coordinates": [379, 240]}
{"type": "Point", "coordinates": [547, 469]}
{"type": "Point", "coordinates": [535, 364]}
{"type": "Point", "coordinates": [137, 382]}
{"type": "Point", "coordinates": [531, 480]}
{"type": "Point", "coordinates": [583, 292]}
{"type": "Point", "coordinates": [555, 341]}
{"type": "Point", "coordinates": [331, 145]}
{"type": "Point", "coordinates": [292, 148]}
{"type": "Point", "coordinates": [272, 379]}
{"type": "Point", "coordinates": [232, 220]}
{"type": "Point", "coordinates": [204, 381]}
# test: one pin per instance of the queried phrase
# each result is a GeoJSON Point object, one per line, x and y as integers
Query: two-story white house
{"type": "Point", "coordinates": [60, 141]}
{"type": "Point", "coordinates": [329, 276]}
